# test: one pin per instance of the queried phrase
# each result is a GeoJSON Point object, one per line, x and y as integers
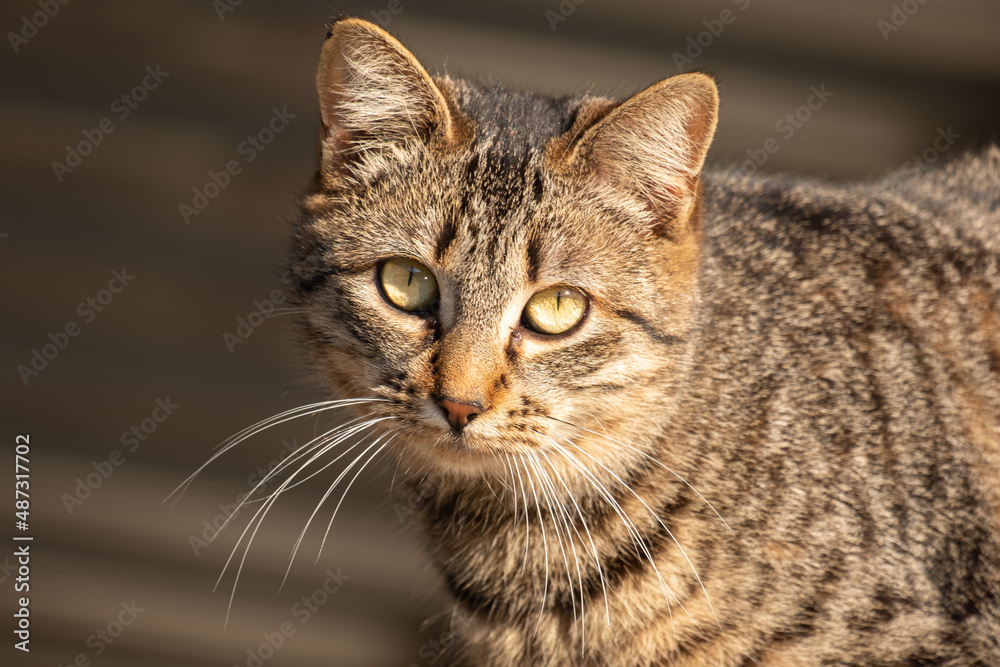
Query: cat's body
{"type": "Point", "coordinates": [771, 437]}
{"type": "Point", "coordinates": [841, 413]}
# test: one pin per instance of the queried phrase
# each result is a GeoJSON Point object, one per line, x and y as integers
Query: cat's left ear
{"type": "Point", "coordinates": [373, 94]}
{"type": "Point", "coordinates": [653, 145]}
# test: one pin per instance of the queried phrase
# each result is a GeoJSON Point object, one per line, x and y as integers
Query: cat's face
{"type": "Point", "coordinates": [499, 270]}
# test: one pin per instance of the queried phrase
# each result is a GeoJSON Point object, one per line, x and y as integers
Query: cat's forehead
{"type": "Point", "coordinates": [506, 120]}
{"type": "Point", "coordinates": [490, 217]}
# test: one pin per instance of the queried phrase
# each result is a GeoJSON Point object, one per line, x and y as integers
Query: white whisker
{"type": "Point", "coordinates": [543, 484]}
{"type": "Point", "coordinates": [258, 519]}
{"type": "Point", "coordinates": [665, 467]}
{"type": "Point", "coordinates": [263, 425]}
{"type": "Point", "coordinates": [662, 525]}
{"type": "Point", "coordinates": [564, 517]}
{"type": "Point", "coordinates": [545, 546]}
{"type": "Point", "coordinates": [348, 488]}
{"type": "Point", "coordinates": [527, 523]}
{"type": "Point", "coordinates": [329, 490]}
{"type": "Point", "coordinates": [583, 520]}
{"type": "Point", "coordinates": [630, 527]}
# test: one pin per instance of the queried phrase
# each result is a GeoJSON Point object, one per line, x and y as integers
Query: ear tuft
{"type": "Point", "coordinates": [373, 93]}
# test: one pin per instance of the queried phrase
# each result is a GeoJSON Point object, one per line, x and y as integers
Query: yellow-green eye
{"type": "Point", "coordinates": [555, 310]}
{"type": "Point", "coordinates": [408, 284]}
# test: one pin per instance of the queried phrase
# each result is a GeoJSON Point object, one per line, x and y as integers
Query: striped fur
{"type": "Point", "coordinates": [774, 439]}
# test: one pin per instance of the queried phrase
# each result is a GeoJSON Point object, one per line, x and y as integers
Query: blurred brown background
{"type": "Point", "coordinates": [925, 81]}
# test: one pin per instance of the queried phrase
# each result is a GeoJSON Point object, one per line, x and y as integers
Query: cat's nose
{"type": "Point", "coordinates": [459, 414]}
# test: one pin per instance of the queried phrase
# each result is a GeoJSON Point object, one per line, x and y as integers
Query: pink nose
{"type": "Point", "coordinates": [459, 414]}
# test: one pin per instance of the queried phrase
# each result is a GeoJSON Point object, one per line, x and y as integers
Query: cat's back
{"type": "Point", "coordinates": [953, 210]}
{"type": "Point", "coordinates": [850, 341]}
{"type": "Point", "coordinates": [898, 278]}
{"type": "Point", "coordinates": [918, 249]}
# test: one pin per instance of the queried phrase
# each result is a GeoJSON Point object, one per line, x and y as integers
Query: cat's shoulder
{"type": "Point", "coordinates": [951, 212]}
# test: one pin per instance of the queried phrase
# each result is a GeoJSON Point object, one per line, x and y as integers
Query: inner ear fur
{"type": "Point", "coordinates": [373, 93]}
{"type": "Point", "coordinates": [653, 145]}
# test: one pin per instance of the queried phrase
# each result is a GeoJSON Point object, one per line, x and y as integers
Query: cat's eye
{"type": "Point", "coordinates": [408, 284]}
{"type": "Point", "coordinates": [555, 310]}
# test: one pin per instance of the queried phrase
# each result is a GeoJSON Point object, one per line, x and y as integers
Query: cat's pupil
{"type": "Point", "coordinates": [545, 314]}
{"type": "Point", "coordinates": [408, 285]}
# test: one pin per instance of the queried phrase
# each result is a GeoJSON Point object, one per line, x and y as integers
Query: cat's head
{"type": "Point", "coordinates": [505, 270]}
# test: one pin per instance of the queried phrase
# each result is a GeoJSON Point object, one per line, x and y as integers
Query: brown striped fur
{"type": "Point", "coordinates": [790, 390]}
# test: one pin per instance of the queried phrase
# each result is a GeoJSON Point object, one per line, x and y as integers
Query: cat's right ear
{"type": "Point", "coordinates": [373, 94]}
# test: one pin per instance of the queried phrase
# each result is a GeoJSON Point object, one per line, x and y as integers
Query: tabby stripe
{"type": "Point", "coordinates": [533, 258]}
{"type": "Point", "coordinates": [818, 217]}
{"type": "Point", "coordinates": [475, 603]}
{"type": "Point", "coordinates": [625, 563]}
{"type": "Point", "coordinates": [647, 327]}
{"type": "Point", "coordinates": [445, 238]}
{"type": "Point", "coordinates": [537, 187]}
{"type": "Point", "coordinates": [589, 356]}
{"type": "Point", "coordinates": [317, 280]}
{"type": "Point", "coordinates": [616, 568]}
{"type": "Point", "coordinates": [312, 284]}
{"type": "Point", "coordinates": [469, 180]}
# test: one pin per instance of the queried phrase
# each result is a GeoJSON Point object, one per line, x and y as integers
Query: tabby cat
{"type": "Point", "coordinates": [655, 415]}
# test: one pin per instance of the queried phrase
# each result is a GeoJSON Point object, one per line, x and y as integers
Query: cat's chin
{"type": "Point", "coordinates": [461, 455]}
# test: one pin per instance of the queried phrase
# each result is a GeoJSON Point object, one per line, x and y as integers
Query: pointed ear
{"type": "Point", "coordinates": [372, 94]}
{"type": "Point", "coordinates": [653, 145]}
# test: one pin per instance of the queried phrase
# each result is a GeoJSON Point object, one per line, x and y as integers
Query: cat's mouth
{"type": "Point", "coordinates": [478, 444]}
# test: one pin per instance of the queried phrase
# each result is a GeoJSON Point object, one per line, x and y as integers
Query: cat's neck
{"type": "Point", "coordinates": [568, 551]}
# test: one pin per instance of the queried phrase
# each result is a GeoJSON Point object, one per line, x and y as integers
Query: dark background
{"type": "Point", "coordinates": [893, 94]}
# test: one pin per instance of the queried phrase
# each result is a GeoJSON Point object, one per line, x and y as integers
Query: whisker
{"type": "Point", "coordinates": [263, 425]}
{"type": "Point", "coordinates": [597, 559]}
{"type": "Point", "coordinates": [324, 442]}
{"type": "Point", "coordinates": [564, 517]}
{"type": "Point", "coordinates": [340, 438]}
{"type": "Point", "coordinates": [258, 519]}
{"type": "Point", "coordinates": [542, 479]}
{"type": "Point", "coordinates": [509, 469]}
{"type": "Point", "coordinates": [545, 545]}
{"type": "Point", "coordinates": [665, 467]}
{"type": "Point", "coordinates": [630, 527]}
{"type": "Point", "coordinates": [663, 525]}
{"type": "Point", "coordinates": [303, 451]}
{"type": "Point", "coordinates": [348, 488]}
{"type": "Point", "coordinates": [329, 491]}
{"type": "Point", "coordinates": [527, 523]}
